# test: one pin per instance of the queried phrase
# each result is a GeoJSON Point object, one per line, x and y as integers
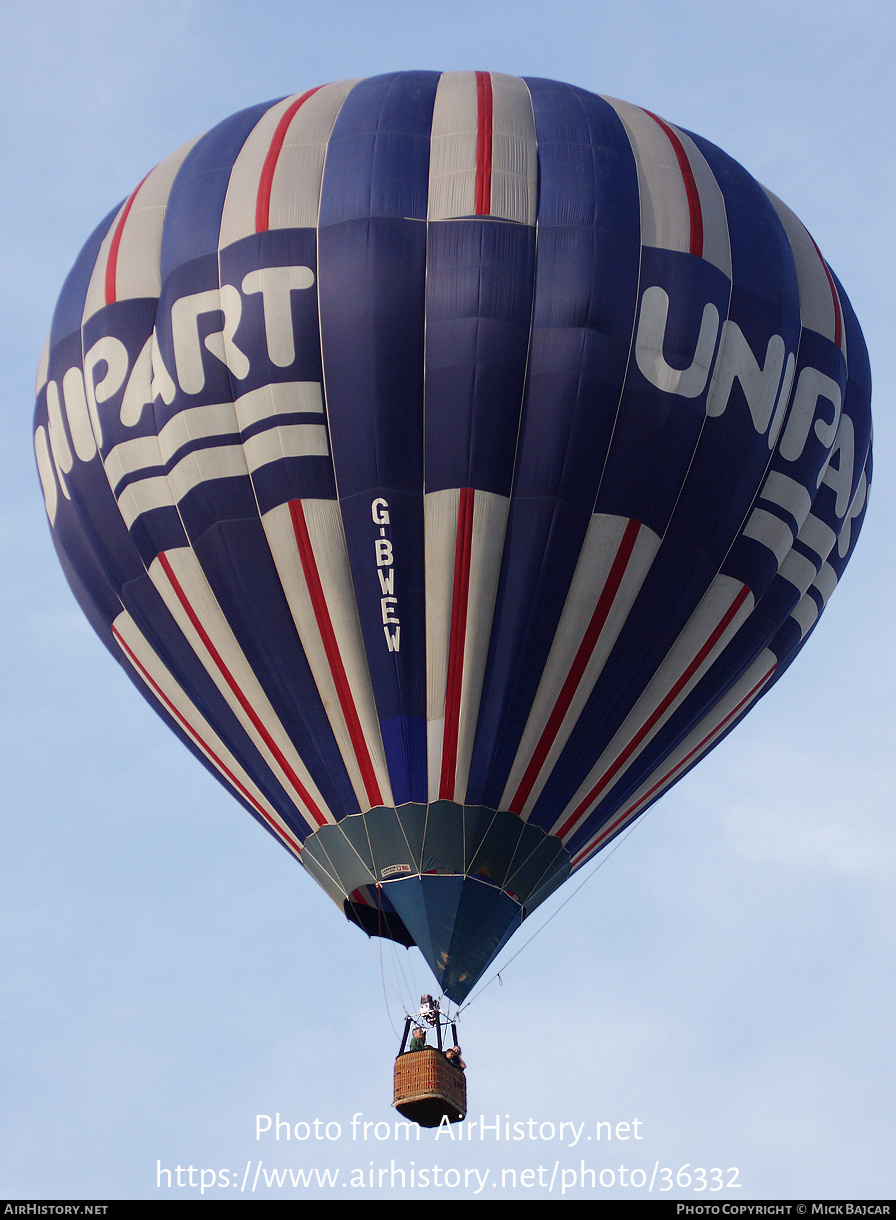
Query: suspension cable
{"type": "Point", "coordinates": [601, 861]}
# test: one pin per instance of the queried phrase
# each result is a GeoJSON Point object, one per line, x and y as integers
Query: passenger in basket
{"type": "Point", "coordinates": [453, 1056]}
{"type": "Point", "coordinates": [418, 1040]}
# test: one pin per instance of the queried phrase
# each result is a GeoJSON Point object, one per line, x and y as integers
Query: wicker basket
{"type": "Point", "coordinates": [428, 1088]}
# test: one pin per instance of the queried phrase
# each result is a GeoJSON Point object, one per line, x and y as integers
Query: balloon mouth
{"type": "Point", "coordinates": [454, 880]}
{"type": "Point", "coordinates": [459, 924]}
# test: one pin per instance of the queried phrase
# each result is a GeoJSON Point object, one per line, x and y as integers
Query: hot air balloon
{"type": "Point", "coordinates": [452, 460]}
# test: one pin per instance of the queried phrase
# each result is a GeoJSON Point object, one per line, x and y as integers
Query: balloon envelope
{"type": "Point", "coordinates": [452, 460]}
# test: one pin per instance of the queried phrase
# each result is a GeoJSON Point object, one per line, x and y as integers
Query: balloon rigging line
{"type": "Point", "coordinates": [602, 860]}
{"type": "Point", "coordinates": [400, 983]}
{"type": "Point", "coordinates": [383, 984]}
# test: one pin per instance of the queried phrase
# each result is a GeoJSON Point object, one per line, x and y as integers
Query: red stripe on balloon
{"type": "Point", "coordinates": [263, 200]}
{"type": "Point", "coordinates": [331, 648]}
{"type": "Point", "coordinates": [112, 261]}
{"type": "Point", "coordinates": [617, 822]}
{"type": "Point", "coordinates": [244, 703]}
{"type": "Point", "coordinates": [838, 313]}
{"type": "Point", "coordinates": [574, 677]}
{"type": "Point", "coordinates": [485, 107]}
{"type": "Point", "coordinates": [656, 714]}
{"type": "Point", "coordinates": [690, 185]}
{"type": "Point", "coordinates": [459, 599]}
{"type": "Point", "coordinates": [203, 745]}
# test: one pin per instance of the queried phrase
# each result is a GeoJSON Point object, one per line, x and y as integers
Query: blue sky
{"type": "Point", "coordinates": [168, 973]}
